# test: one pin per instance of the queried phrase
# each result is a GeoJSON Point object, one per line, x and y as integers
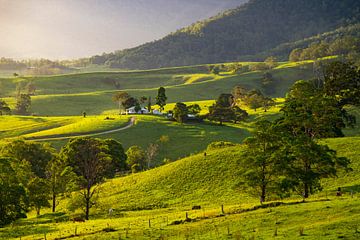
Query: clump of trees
{"type": "Point", "coordinates": [92, 160]}
{"type": "Point", "coordinates": [277, 162]}
{"type": "Point", "coordinates": [346, 46]}
{"type": "Point", "coordinates": [4, 108]}
{"type": "Point", "coordinates": [284, 156]}
{"type": "Point", "coordinates": [254, 98]}
{"type": "Point", "coordinates": [125, 101]}
{"type": "Point", "coordinates": [23, 104]}
{"type": "Point", "coordinates": [37, 174]}
{"type": "Point", "coordinates": [41, 66]}
{"type": "Point", "coordinates": [25, 169]}
{"type": "Point", "coordinates": [183, 113]}
{"type": "Point", "coordinates": [225, 110]}
{"type": "Point", "coordinates": [180, 112]}
{"type": "Point", "coordinates": [13, 197]}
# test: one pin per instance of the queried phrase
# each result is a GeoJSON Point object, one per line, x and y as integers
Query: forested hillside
{"type": "Point", "coordinates": [253, 28]}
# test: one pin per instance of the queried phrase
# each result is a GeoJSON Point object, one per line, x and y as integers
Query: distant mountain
{"type": "Point", "coordinates": [253, 28]}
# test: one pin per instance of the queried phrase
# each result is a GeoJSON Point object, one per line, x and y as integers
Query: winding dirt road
{"type": "Point", "coordinates": [129, 125]}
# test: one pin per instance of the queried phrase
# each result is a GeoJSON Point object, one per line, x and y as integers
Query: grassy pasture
{"type": "Point", "coordinates": [14, 126]}
{"type": "Point", "coordinates": [92, 92]}
{"type": "Point", "coordinates": [316, 219]}
{"type": "Point", "coordinates": [166, 193]}
{"type": "Point", "coordinates": [184, 139]}
{"type": "Point", "coordinates": [97, 102]}
{"type": "Point", "coordinates": [163, 195]}
{"type": "Point", "coordinates": [90, 124]}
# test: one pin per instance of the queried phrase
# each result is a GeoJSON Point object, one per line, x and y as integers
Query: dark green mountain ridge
{"type": "Point", "coordinates": [250, 30]}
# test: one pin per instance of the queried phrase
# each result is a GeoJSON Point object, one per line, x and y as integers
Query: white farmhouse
{"type": "Point", "coordinates": [132, 111]}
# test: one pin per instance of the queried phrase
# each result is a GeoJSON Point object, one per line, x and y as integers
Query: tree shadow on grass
{"type": "Point", "coordinates": [23, 231]}
{"type": "Point", "coordinates": [353, 188]}
{"type": "Point", "coordinates": [43, 219]}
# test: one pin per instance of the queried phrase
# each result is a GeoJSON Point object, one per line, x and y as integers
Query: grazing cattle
{"type": "Point", "coordinates": [339, 193]}
{"type": "Point", "coordinates": [78, 219]}
{"type": "Point", "coordinates": [196, 207]}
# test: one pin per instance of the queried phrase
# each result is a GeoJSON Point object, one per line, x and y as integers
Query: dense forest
{"type": "Point", "coordinates": [253, 28]}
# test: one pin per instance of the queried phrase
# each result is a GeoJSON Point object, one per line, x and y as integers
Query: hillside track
{"type": "Point", "coordinates": [129, 125]}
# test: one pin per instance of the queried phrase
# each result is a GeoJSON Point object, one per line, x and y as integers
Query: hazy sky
{"type": "Point", "coordinates": [60, 29]}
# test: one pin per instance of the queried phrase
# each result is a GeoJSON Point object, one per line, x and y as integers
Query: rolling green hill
{"type": "Point", "coordinates": [250, 29]}
{"type": "Point", "coordinates": [146, 205]}
{"type": "Point", "coordinates": [92, 92]}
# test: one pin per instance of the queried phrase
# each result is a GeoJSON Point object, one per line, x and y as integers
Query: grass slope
{"type": "Point", "coordinates": [92, 92]}
{"type": "Point", "coordinates": [165, 194]}
{"type": "Point", "coordinates": [184, 139]}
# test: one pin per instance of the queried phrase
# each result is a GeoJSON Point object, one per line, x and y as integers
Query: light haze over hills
{"type": "Point", "coordinates": [71, 29]}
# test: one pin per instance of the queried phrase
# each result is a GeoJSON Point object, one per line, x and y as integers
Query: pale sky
{"type": "Point", "coordinates": [64, 29]}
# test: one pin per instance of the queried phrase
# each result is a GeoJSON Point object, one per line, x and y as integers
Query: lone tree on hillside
{"type": "Point", "coordinates": [225, 110]}
{"type": "Point", "coordinates": [309, 162]}
{"type": "Point", "coordinates": [89, 159]}
{"type": "Point", "coordinates": [23, 103]}
{"type": "Point", "coordinates": [161, 98]}
{"type": "Point", "coordinates": [136, 158]}
{"type": "Point", "coordinates": [180, 112]}
{"type": "Point", "coordinates": [261, 166]}
{"type": "Point", "coordinates": [120, 97]}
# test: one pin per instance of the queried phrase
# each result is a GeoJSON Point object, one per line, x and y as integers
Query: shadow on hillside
{"type": "Point", "coordinates": [26, 231]}
{"type": "Point", "coordinates": [353, 188]}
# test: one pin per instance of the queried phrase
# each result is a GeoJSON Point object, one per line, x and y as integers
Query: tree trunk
{"type": "Point", "coordinates": [53, 202]}
{"type": "Point", "coordinates": [37, 211]}
{"type": "Point", "coordinates": [306, 190]}
{"type": "Point", "coordinates": [87, 200]}
{"type": "Point", "coordinates": [263, 194]}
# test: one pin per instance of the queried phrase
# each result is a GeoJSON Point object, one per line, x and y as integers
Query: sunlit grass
{"type": "Point", "coordinates": [90, 124]}
{"type": "Point", "coordinates": [92, 92]}
{"type": "Point", "coordinates": [170, 191]}
{"type": "Point", "coordinates": [14, 126]}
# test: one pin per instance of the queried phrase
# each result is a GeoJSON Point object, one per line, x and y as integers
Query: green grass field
{"type": "Point", "coordinates": [92, 92]}
{"type": "Point", "coordinates": [165, 194]}
{"type": "Point", "coordinates": [147, 204]}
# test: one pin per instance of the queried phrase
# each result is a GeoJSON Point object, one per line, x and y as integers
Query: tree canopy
{"type": "Point", "coordinates": [161, 98]}
{"type": "Point", "coordinates": [90, 160]}
{"type": "Point", "coordinates": [13, 197]}
{"type": "Point", "coordinates": [180, 112]}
